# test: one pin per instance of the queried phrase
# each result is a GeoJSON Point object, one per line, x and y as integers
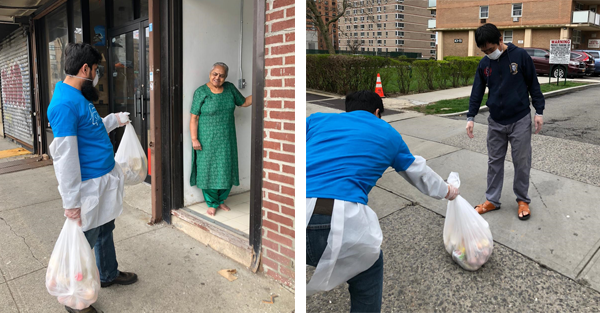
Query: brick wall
{"type": "Point", "coordinates": [540, 38]}
{"type": "Point", "coordinates": [457, 14]}
{"type": "Point", "coordinates": [278, 240]}
{"type": "Point", "coordinates": [456, 49]}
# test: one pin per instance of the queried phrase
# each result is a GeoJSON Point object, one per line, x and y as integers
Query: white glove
{"type": "Point", "coordinates": [452, 192]}
{"type": "Point", "coordinates": [123, 118]}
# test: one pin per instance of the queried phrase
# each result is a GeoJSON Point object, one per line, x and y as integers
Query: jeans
{"type": "Point", "coordinates": [365, 288]}
{"type": "Point", "coordinates": [101, 240]}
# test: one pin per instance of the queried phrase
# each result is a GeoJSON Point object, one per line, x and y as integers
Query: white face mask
{"type": "Point", "coordinates": [495, 55]}
{"type": "Point", "coordinates": [94, 82]}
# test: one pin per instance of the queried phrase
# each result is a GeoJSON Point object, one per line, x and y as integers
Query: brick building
{"type": "Point", "coordinates": [278, 239]}
{"type": "Point", "coordinates": [327, 9]}
{"type": "Point", "coordinates": [527, 23]}
{"type": "Point", "coordinates": [387, 26]}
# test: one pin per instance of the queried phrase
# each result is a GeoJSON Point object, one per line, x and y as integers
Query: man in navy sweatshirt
{"type": "Point", "coordinates": [509, 73]}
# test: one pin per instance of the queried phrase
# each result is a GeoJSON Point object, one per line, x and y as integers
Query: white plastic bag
{"type": "Point", "coordinates": [72, 274]}
{"type": "Point", "coordinates": [131, 157]}
{"type": "Point", "coordinates": [467, 235]}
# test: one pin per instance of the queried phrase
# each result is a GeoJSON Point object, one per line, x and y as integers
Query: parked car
{"type": "Point", "coordinates": [596, 55]}
{"type": "Point", "coordinates": [541, 60]}
{"type": "Point", "coordinates": [590, 64]}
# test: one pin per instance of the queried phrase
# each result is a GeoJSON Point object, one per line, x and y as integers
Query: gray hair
{"type": "Point", "coordinates": [222, 65]}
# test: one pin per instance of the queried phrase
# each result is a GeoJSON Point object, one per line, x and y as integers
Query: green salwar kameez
{"type": "Point", "coordinates": [215, 167]}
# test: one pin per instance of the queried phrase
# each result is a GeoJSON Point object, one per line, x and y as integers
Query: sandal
{"type": "Point", "coordinates": [486, 207]}
{"type": "Point", "coordinates": [524, 208]}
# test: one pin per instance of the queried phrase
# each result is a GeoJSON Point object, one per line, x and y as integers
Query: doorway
{"type": "Point", "coordinates": [129, 50]}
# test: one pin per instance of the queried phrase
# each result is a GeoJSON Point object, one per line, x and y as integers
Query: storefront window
{"type": "Point", "coordinates": [98, 40]}
{"type": "Point", "coordinates": [57, 38]}
{"type": "Point", "coordinates": [77, 24]}
{"type": "Point", "coordinates": [126, 11]}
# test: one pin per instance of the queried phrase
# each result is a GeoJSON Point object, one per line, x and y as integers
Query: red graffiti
{"type": "Point", "coordinates": [12, 87]}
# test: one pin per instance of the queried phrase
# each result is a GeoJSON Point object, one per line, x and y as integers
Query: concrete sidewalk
{"type": "Point", "coordinates": [562, 232]}
{"type": "Point", "coordinates": [176, 273]}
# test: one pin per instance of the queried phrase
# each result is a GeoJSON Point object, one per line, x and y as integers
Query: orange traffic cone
{"type": "Point", "coordinates": [379, 87]}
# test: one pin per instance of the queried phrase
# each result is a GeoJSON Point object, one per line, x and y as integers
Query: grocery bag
{"type": "Point", "coordinates": [72, 274]}
{"type": "Point", "coordinates": [467, 235]}
{"type": "Point", "coordinates": [131, 157]}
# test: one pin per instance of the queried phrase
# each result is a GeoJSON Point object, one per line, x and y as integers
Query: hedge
{"type": "Point", "coordinates": [342, 74]}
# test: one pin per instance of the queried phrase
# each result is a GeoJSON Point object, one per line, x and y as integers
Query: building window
{"type": "Point", "coordinates": [379, 17]}
{"type": "Point", "coordinates": [517, 9]}
{"type": "Point", "coordinates": [378, 34]}
{"type": "Point", "coordinates": [399, 16]}
{"type": "Point", "coordinates": [399, 25]}
{"type": "Point", "coordinates": [399, 7]}
{"type": "Point", "coordinates": [399, 34]}
{"type": "Point", "coordinates": [576, 37]}
{"type": "Point", "coordinates": [370, 26]}
{"type": "Point", "coordinates": [508, 36]}
{"type": "Point", "coordinates": [400, 42]}
{"type": "Point", "coordinates": [433, 12]}
{"type": "Point", "coordinates": [378, 42]}
{"type": "Point", "coordinates": [432, 52]}
{"type": "Point", "coordinates": [362, 26]}
{"type": "Point", "coordinates": [484, 11]}
{"type": "Point", "coordinates": [362, 18]}
{"type": "Point", "coordinates": [355, 34]}
{"type": "Point", "coordinates": [355, 27]}
{"type": "Point", "coordinates": [378, 25]}
{"type": "Point", "coordinates": [432, 44]}
{"type": "Point", "coordinates": [362, 34]}
{"type": "Point", "coordinates": [432, 36]}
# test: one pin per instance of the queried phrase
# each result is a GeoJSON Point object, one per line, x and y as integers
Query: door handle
{"type": "Point", "coordinates": [141, 95]}
{"type": "Point", "coordinates": [135, 105]}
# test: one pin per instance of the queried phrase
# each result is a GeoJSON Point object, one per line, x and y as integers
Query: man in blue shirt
{"type": "Point", "coordinates": [509, 73]}
{"type": "Point", "coordinates": [90, 184]}
{"type": "Point", "coordinates": [346, 154]}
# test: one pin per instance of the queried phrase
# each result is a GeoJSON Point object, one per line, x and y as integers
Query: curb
{"type": "Point", "coordinates": [547, 95]}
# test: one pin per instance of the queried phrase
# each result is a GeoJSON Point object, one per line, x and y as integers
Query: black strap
{"type": "Point", "coordinates": [324, 206]}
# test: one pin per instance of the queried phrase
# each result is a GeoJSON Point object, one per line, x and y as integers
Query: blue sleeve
{"type": "Point", "coordinates": [63, 121]}
{"type": "Point", "coordinates": [477, 92]}
{"type": "Point", "coordinates": [533, 85]}
{"type": "Point", "coordinates": [308, 126]}
{"type": "Point", "coordinates": [403, 158]}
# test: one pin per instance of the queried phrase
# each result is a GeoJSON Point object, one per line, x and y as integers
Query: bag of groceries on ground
{"type": "Point", "coordinates": [72, 274]}
{"type": "Point", "coordinates": [467, 235]}
{"type": "Point", "coordinates": [131, 157]}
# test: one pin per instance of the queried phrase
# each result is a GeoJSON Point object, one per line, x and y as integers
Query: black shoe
{"type": "Point", "coordinates": [123, 278]}
{"type": "Point", "coordinates": [90, 309]}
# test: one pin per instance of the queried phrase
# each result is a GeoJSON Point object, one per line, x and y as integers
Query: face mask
{"type": "Point", "coordinates": [94, 82]}
{"type": "Point", "coordinates": [495, 55]}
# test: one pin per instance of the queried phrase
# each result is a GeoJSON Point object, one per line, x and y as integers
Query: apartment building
{"type": "Point", "coordinates": [327, 9]}
{"type": "Point", "coordinates": [525, 23]}
{"type": "Point", "coordinates": [388, 26]}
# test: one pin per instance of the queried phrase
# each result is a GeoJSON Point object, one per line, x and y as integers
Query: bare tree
{"type": "Point", "coordinates": [322, 25]}
{"type": "Point", "coordinates": [364, 15]}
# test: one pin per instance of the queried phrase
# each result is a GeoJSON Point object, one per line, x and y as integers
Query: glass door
{"type": "Point", "coordinates": [129, 49]}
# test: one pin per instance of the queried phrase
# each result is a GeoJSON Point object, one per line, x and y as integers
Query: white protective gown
{"type": "Point", "coordinates": [355, 237]}
{"type": "Point", "coordinates": [103, 196]}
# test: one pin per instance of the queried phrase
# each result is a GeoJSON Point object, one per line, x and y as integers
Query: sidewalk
{"type": "Point", "coordinates": [176, 273]}
{"type": "Point", "coordinates": [549, 263]}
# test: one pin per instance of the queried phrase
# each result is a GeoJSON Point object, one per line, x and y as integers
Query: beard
{"type": "Point", "coordinates": [89, 91]}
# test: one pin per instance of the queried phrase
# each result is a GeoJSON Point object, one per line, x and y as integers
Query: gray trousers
{"type": "Point", "coordinates": [498, 137]}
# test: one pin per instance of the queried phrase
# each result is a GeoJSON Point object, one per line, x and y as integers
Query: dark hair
{"type": "Point", "coordinates": [78, 54]}
{"type": "Point", "coordinates": [364, 100]}
{"type": "Point", "coordinates": [487, 33]}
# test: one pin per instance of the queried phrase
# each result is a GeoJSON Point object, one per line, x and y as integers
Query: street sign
{"type": "Point", "coordinates": [594, 43]}
{"type": "Point", "coordinates": [560, 51]}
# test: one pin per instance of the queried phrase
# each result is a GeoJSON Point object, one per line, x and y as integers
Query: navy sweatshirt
{"type": "Point", "coordinates": [510, 79]}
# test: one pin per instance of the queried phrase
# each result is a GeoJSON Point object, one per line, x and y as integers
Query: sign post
{"type": "Point", "coordinates": [560, 53]}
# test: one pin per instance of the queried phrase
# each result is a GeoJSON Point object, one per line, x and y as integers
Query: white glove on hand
{"type": "Point", "coordinates": [452, 192]}
{"type": "Point", "coordinates": [123, 118]}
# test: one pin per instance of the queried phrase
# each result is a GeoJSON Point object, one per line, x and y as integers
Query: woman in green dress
{"type": "Point", "coordinates": [212, 127]}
